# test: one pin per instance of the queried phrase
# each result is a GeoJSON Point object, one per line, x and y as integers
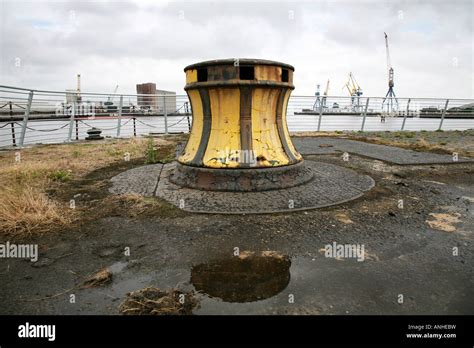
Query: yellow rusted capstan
{"type": "Point", "coordinates": [239, 114]}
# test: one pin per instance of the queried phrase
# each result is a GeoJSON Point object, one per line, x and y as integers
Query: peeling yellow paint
{"type": "Point", "coordinates": [223, 149]}
{"type": "Point", "coordinates": [195, 134]}
{"type": "Point", "coordinates": [285, 127]}
{"type": "Point", "coordinates": [268, 73]}
{"type": "Point", "coordinates": [224, 139]}
{"type": "Point", "coordinates": [266, 141]}
{"type": "Point", "coordinates": [191, 76]}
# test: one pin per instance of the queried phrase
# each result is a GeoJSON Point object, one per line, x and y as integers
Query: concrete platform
{"type": "Point", "coordinates": [330, 185]}
{"type": "Point", "coordinates": [390, 154]}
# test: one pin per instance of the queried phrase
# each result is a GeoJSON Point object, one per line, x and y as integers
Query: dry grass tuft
{"type": "Point", "coordinates": [103, 277]}
{"type": "Point", "coordinates": [28, 211]}
{"type": "Point", "coordinates": [153, 301]}
{"type": "Point", "coordinates": [132, 204]}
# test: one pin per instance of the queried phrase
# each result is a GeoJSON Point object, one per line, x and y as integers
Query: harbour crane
{"type": "Point", "coordinates": [325, 94]}
{"type": "Point", "coordinates": [317, 102]}
{"type": "Point", "coordinates": [79, 88]}
{"type": "Point", "coordinates": [390, 99]}
{"type": "Point", "coordinates": [109, 104]}
{"type": "Point", "coordinates": [347, 85]}
{"type": "Point", "coordinates": [352, 86]}
{"type": "Point", "coordinates": [354, 91]}
{"type": "Point", "coordinates": [111, 97]}
{"type": "Point", "coordinates": [320, 102]}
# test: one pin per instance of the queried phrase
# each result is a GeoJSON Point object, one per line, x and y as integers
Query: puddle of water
{"type": "Point", "coordinates": [247, 278]}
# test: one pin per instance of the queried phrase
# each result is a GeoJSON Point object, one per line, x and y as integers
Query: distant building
{"type": "Point", "coordinates": [71, 96]}
{"type": "Point", "coordinates": [157, 100]}
{"type": "Point", "coordinates": [144, 101]}
{"type": "Point", "coordinates": [167, 98]}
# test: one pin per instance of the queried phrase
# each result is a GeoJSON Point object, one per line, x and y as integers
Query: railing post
{"type": "Point", "coordinates": [71, 120]}
{"type": "Point", "coordinates": [119, 122]}
{"type": "Point", "coordinates": [25, 119]}
{"type": "Point", "coordinates": [134, 127]}
{"type": "Point", "coordinates": [77, 129]}
{"type": "Point", "coordinates": [12, 124]}
{"type": "Point", "coordinates": [405, 117]}
{"type": "Point", "coordinates": [186, 110]}
{"type": "Point", "coordinates": [364, 115]}
{"type": "Point", "coordinates": [320, 116]}
{"type": "Point", "coordinates": [166, 114]}
{"type": "Point", "coordinates": [444, 114]}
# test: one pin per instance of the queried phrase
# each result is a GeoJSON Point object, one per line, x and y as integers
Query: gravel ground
{"type": "Point", "coordinates": [330, 185]}
{"type": "Point", "coordinates": [395, 155]}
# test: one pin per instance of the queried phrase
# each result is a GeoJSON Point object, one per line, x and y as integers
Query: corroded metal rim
{"type": "Point", "coordinates": [241, 179]}
{"type": "Point", "coordinates": [237, 84]}
{"type": "Point", "coordinates": [241, 61]}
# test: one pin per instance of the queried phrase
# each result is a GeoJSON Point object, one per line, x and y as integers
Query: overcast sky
{"type": "Point", "coordinates": [44, 44]}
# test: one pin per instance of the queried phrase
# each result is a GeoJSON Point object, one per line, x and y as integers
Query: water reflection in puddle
{"type": "Point", "coordinates": [245, 278]}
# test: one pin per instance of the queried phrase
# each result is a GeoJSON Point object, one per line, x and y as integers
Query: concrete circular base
{"type": "Point", "coordinates": [241, 179]}
{"type": "Point", "coordinates": [330, 185]}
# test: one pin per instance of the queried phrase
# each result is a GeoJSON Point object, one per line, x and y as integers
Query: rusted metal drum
{"type": "Point", "coordinates": [239, 139]}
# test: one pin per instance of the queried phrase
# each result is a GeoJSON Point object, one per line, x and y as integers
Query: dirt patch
{"type": "Point", "coordinates": [444, 222]}
{"type": "Point", "coordinates": [344, 218]}
{"type": "Point", "coordinates": [93, 199]}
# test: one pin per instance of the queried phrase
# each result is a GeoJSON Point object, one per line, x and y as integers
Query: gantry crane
{"type": "Point", "coordinates": [354, 91]}
{"type": "Point", "coordinates": [317, 102]}
{"type": "Point", "coordinates": [390, 101]}
{"type": "Point", "coordinates": [320, 102]}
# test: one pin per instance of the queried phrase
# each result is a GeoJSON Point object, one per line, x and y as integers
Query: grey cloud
{"type": "Point", "coordinates": [324, 38]}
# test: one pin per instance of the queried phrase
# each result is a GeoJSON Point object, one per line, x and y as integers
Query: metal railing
{"type": "Point", "coordinates": [336, 113]}
{"type": "Point", "coordinates": [38, 116]}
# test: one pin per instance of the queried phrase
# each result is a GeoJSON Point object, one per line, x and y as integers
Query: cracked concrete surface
{"type": "Point", "coordinates": [390, 154]}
